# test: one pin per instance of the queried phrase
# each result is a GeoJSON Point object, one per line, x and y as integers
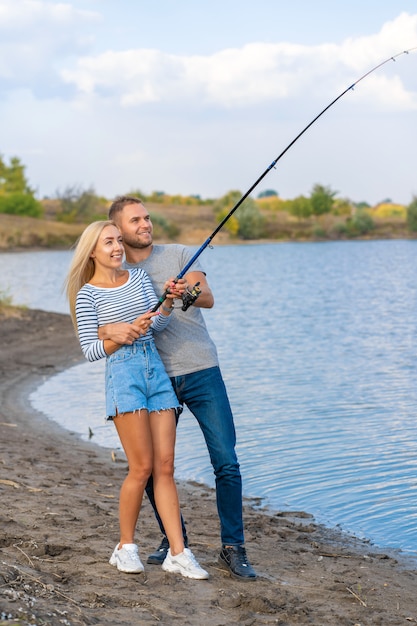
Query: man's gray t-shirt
{"type": "Point", "coordinates": [185, 345]}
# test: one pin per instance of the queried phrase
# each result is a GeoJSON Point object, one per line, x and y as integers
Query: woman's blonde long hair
{"type": "Point", "coordinates": [82, 266]}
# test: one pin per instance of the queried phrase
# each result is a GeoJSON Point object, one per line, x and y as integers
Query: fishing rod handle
{"type": "Point", "coordinates": [161, 300]}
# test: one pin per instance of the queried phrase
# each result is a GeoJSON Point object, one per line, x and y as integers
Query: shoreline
{"type": "Point", "coordinates": [221, 239]}
{"type": "Point", "coordinates": [59, 526]}
{"type": "Point", "coordinates": [91, 434]}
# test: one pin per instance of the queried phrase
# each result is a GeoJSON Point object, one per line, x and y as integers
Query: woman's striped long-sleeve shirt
{"type": "Point", "coordinates": [98, 306]}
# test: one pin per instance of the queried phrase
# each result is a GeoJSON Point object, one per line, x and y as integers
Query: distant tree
{"type": "Point", "coordinates": [268, 193]}
{"type": "Point", "coordinates": [300, 207]}
{"type": "Point", "coordinates": [157, 197]}
{"type": "Point", "coordinates": [362, 205]}
{"type": "Point", "coordinates": [80, 205]}
{"type": "Point", "coordinates": [137, 193]}
{"type": "Point", "coordinates": [222, 206]}
{"type": "Point", "coordinates": [251, 222]}
{"type": "Point", "coordinates": [16, 180]}
{"type": "Point", "coordinates": [412, 215]}
{"type": "Point", "coordinates": [342, 206]}
{"type": "Point", "coordinates": [247, 216]}
{"type": "Point", "coordinates": [12, 177]}
{"type": "Point", "coordinates": [232, 225]}
{"type": "Point", "coordinates": [322, 199]}
{"type": "Point", "coordinates": [16, 196]}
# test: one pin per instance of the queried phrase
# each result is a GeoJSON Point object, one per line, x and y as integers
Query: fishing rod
{"type": "Point", "coordinates": [190, 296]}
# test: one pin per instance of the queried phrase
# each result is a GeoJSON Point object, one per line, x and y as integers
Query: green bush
{"type": "Point", "coordinates": [251, 222]}
{"type": "Point", "coordinates": [360, 224]}
{"type": "Point", "coordinates": [161, 225]}
{"type": "Point", "coordinates": [322, 199]}
{"type": "Point", "coordinates": [19, 203]}
{"type": "Point", "coordinates": [339, 229]}
{"type": "Point", "coordinates": [248, 217]}
{"type": "Point", "coordinates": [319, 232]}
{"type": "Point", "coordinates": [80, 205]}
{"type": "Point", "coordinates": [300, 207]}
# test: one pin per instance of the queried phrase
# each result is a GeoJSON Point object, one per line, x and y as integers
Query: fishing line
{"type": "Point", "coordinates": [193, 295]}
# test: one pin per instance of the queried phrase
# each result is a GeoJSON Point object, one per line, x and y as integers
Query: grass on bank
{"type": "Point", "coordinates": [29, 232]}
{"type": "Point", "coordinates": [7, 308]}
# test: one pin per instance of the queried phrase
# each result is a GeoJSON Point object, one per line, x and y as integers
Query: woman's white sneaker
{"type": "Point", "coordinates": [185, 564]}
{"type": "Point", "coordinates": [127, 559]}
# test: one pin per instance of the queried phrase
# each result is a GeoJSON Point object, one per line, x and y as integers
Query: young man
{"type": "Point", "coordinates": [190, 358]}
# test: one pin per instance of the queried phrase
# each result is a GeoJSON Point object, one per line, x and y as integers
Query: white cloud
{"type": "Point", "coordinates": [394, 37]}
{"type": "Point", "coordinates": [257, 73]}
{"type": "Point", "coordinates": [35, 38]}
{"type": "Point", "coordinates": [193, 123]}
{"type": "Point", "coordinates": [386, 94]}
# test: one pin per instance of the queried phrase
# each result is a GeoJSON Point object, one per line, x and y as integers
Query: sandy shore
{"type": "Point", "coordinates": [59, 525]}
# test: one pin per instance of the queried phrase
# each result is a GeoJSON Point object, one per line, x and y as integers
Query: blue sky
{"type": "Point", "coordinates": [194, 97]}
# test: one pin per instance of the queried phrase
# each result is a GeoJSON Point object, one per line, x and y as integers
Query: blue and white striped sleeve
{"type": "Point", "coordinates": [87, 325]}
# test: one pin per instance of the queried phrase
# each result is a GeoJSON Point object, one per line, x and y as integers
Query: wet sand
{"type": "Point", "coordinates": [59, 525]}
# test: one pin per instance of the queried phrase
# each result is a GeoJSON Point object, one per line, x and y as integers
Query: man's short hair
{"type": "Point", "coordinates": [119, 204]}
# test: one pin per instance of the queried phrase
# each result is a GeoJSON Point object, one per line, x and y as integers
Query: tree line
{"type": "Point", "coordinates": [16, 196]}
{"type": "Point", "coordinates": [75, 204]}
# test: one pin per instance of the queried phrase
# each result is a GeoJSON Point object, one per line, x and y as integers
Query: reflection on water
{"type": "Point", "coordinates": [317, 345]}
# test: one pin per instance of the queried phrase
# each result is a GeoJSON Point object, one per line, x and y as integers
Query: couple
{"type": "Point", "coordinates": [101, 292]}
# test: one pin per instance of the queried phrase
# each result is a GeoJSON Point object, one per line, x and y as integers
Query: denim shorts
{"type": "Point", "coordinates": [136, 379]}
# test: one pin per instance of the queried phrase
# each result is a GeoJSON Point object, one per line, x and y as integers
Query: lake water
{"type": "Point", "coordinates": [317, 344]}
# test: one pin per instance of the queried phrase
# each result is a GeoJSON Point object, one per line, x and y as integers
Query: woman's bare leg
{"type": "Point", "coordinates": [163, 430]}
{"type": "Point", "coordinates": [135, 436]}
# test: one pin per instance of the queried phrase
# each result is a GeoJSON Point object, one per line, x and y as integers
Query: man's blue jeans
{"type": "Point", "coordinates": [204, 393]}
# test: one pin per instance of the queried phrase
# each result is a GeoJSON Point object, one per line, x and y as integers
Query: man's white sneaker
{"type": "Point", "coordinates": [185, 564]}
{"type": "Point", "coordinates": [127, 559]}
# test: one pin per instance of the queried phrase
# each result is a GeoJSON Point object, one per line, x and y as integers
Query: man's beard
{"type": "Point", "coordinates": [134, 242]}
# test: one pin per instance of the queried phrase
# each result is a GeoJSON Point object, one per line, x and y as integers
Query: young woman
{"type": "Point", "coordinates": [139, 395]}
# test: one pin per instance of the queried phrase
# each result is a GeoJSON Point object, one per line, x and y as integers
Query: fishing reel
{"type": "Point", "coordinates": [190, 296]}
